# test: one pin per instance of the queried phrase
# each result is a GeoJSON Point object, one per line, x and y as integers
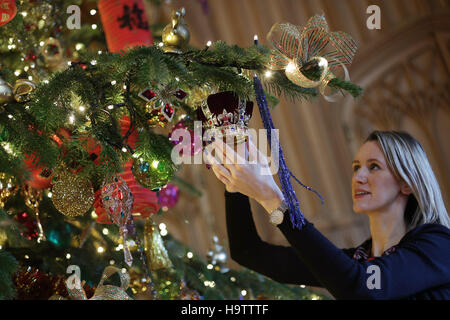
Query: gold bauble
{"type": "Point", "coordinates": [176, 36]}
{"type": "Point", "coordinates": [317, 64]}
{"type": "Point", "coordinates": [72, 195]}
{"type": "Point", "coordinates": [157, 256]}
{"type": "Point", "coordinates": [6, 92]}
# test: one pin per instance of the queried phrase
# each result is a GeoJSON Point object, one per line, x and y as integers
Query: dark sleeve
{"type": "Point", "coordinates": [421, 261]}
{"type": "Point", "coordinates": [279, 263]}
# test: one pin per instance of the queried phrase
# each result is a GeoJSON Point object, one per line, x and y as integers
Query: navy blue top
{"type": "Point", "coordinates": [418, 268]}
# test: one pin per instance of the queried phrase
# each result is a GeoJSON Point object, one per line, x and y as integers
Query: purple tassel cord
{"type": "Point", "coordinates": [284, 174]}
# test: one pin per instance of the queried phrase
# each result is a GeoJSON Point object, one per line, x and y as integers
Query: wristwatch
{"type": "Point", "coordinates": [277, 215]}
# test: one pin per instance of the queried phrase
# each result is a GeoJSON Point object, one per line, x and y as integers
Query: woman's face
{"type": "Point", "coordinates": [374, 187]}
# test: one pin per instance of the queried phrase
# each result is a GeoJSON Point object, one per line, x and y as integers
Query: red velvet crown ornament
{"type": "Point", "coordinates": [225, 114]}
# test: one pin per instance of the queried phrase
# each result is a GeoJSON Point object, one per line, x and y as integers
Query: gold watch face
{"type": "Point", "coordinates": [276, 217]}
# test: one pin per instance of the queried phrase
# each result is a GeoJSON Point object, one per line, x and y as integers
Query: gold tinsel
{"type": "Point", "coordinates": [197, 95]}
{"type": "Point", "coordinates": [73, 195]}
{"type": "Point", "coordinates": [157, 256]}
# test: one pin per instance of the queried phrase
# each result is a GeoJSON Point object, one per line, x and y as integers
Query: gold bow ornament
{"type": "Point", "coordinates": [103, 292]}
{"type": "Point", "coordinates": [310, 54]}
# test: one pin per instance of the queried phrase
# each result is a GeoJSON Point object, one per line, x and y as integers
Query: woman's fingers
{"type": "Point", "coordinates": [231, 156]}
{"type": "Point", "coordinates": [255, 155]}
{"type": "Point", "coordinates": [218, 169]}
{"type": "Point", "coordinates": [221, 176]}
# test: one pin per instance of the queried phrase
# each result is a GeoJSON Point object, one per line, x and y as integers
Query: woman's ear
{"type": "Point", "coordinates": [405, 189]}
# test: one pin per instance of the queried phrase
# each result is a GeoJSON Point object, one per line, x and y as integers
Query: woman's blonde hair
{"type": "Point", "coordinates": [409, 163]}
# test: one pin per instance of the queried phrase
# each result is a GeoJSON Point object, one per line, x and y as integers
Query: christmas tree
{"type": "Point", "coordinates": [87, 111]}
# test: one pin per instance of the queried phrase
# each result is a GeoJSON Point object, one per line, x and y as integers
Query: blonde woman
{"type": "Point", "coordinates": [407, 255]}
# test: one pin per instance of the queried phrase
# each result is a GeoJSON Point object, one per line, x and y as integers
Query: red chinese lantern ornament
{"type": "Point", "coordinates": [125, 24]}
{"type": "Point", "coordinates": [8, 10]}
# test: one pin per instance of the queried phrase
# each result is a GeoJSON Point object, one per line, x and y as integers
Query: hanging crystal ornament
{"type": "Point", "coordinates": [150, 286]}
{"type": "Point", "coordinates": [117, 200]}
{"type": "Point", "coordinates": [309, 55]}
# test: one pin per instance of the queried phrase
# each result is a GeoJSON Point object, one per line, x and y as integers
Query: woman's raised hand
{"type": "Point", "coordinates": [247, 173]}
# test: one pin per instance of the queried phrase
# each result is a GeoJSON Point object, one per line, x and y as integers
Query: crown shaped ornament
{"type": "Point", "coordinates": [224, 114]}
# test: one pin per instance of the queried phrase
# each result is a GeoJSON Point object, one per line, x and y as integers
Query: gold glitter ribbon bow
{"type": "Point", "coordinates": [313, 48]}
{"type": "Point", "coordinates": [103, 292]}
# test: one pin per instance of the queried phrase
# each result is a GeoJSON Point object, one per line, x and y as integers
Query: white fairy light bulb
{"type": "Point", "coordinates": [291, 67]}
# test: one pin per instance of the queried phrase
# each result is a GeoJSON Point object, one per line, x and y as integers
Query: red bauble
{"type": "Point", "coordinates": [125, 24]}
{"type": "Point", "coordinates": [8, 10]}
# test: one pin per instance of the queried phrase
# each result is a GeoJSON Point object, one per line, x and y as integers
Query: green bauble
{"type": "Point", "coordinates": [152, 174]}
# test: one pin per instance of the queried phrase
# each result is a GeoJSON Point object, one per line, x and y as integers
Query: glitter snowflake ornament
{"type": "Point", "coordinates": [117, 201]}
